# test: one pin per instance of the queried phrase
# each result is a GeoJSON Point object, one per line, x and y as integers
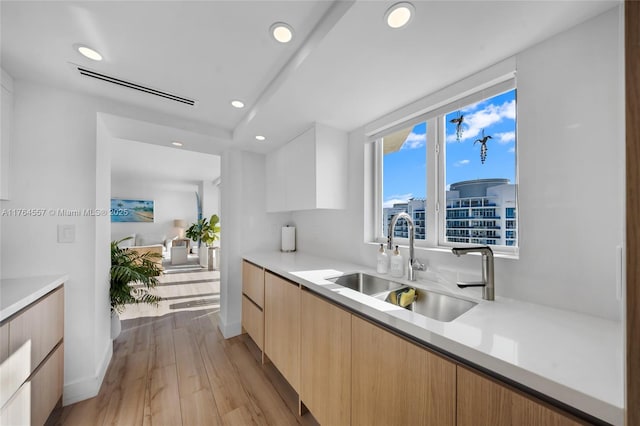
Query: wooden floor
{"type": "Point", "coordinates": [175, 368]}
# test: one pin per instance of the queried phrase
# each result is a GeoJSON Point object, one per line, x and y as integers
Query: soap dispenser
{"type": "Point", "coordinates": [383, 261]}
{"type": "Point", "coordinates": [397, 264]}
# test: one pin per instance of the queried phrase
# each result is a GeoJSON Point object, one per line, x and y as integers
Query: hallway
{"type": "Point", "coordinates": [172, 366]}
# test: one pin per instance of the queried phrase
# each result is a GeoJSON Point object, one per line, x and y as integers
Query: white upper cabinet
{"type": "Point", "coordinates": [309, 172]}
{"type": "Point", "coordinates": [6, 123]}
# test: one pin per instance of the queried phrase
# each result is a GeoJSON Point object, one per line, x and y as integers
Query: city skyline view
{"type": "Point", "coordinates": [404, 171]}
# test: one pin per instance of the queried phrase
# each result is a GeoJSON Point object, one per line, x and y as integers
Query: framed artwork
{"type": "Point", "coordinates": [131, 210]}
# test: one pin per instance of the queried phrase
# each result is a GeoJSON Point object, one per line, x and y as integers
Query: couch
{"type": "Point", "coordinates": [146, 243]}
{"type": "Point", "coordinates": [157, 248]}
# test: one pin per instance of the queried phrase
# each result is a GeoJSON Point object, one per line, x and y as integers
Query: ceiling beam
{"type": "Point", "coordinates": [337, 10]}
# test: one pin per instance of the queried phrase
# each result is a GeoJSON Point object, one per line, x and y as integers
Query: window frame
{"type": "Point", "coordinates": [435, 208]}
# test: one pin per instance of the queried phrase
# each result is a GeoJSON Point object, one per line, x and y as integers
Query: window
{"type": "Point", "coordinates": [404, 179]}
{"type": "Point", "coordinates": [453, 170]}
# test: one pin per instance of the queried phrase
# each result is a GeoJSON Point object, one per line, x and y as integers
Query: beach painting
{"type": "Point", "coordinates": [131, 210]}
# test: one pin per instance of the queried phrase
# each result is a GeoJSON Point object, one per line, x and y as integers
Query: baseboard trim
{"type": "Point", "coordinates": [90, 386]}
{"type": "Point", "coordinates": [229, 330]}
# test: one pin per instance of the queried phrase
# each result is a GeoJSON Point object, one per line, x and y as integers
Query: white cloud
{"type": "Point", "coordinates": [487, 116]}
{"type": "Point", "coordinates": [506, 137]}
{"type": "Point", "coordinates": [415, 140]}
{"type": "Point", "coordinates": [512, 149]}
{"type": "Point", "coordinates": [397, 199]}
{"type": "Point", "coordinates": [462, 163]}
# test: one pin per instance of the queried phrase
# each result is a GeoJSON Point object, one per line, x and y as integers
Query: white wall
{"type": "Point", "coordinates": [102, 256]}
{"type": "Point", "coordinates": [54, 159]}
{"type": "Point", "coordinates": [245, 227]}
{"type": "Point", "coordinates": [171, 201]}
{"type": "Point", "coordinates": [210, 199]}
{"type": "Point", "coordinates": [61, 160]}
{"type": "Point", "coordinates": [571, 180]}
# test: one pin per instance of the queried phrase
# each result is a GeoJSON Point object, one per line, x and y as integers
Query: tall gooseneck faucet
{"type": "Point", "coordinates": [488, 283]}
{"type": "Point", "coordinates": [414, 264]}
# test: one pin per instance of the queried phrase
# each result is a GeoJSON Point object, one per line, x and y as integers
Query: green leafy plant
{"type": "Point", "coordinates": [132, 275]}
{"type": "Point", "coordinates": [211, 232]}
{"type": "Point", "coordinates": [194, 232]}
{"type": "Point", "coordinates": [205, 230]}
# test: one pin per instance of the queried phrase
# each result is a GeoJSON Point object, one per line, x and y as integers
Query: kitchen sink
{"type": "Point", "coordinates": [428, 303]}
{"type": "Point", "coordinates": [367, 284]}
{"type": "Point", "coordinates": [439, 306]}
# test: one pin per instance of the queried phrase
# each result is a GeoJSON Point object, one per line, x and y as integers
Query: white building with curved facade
{"type": "Point", "coordinates": [482, 211]}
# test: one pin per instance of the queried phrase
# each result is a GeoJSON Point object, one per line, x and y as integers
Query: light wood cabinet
{"type": "Point", "coordinates": [350, 371]}
{"type": "Point", "coordinates": [45, 387]}
{"type": "Point", "coordinates": [5, 378]}
{"type": "Point", "coordinates": [325, 360]}
{"type": "Point", "coordinates": [395, 382]}
{"type": "Point", "coordinates": [253, 302]}
{"type": "Point", "coordinates": [32, 370]}
{"type": "Point", "coordinates": [483, 401]}
{"type": "Point", "coordinates": [308, 172]}
{"type": "Point", "coordinates": [37, 397]}
{"type": "Point", "coordinates": [282, 326]}
{"type": "Point", "coordinates": [253, 321]}
{"type": "Point", "coordinates": [17, 411]}
{"type": "Point", "coordinates": [40, 328]}
{"type": "Point", "coordinates": [253, 282]}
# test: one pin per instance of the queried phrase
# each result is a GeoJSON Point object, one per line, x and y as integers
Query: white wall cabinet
{"type": "Point", "coordinates": [309, 172]}
{"type": "Point", "coordinates": [6, 129]}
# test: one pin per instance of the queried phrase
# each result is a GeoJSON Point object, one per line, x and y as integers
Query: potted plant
{"type": "Point", "coordinates": [194, 232]}
{"type": "Point", "coordinates": [211, 234]}
{"type": "Point", "coordinates": [131, 277]}
{"type": "Point", "coordinates": [207, 232]}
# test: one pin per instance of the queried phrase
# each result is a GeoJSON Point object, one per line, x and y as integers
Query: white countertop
{"type": "Point", "coordinates": [17, 293]}
{"type": "Point", "coordinates": [574, 358]}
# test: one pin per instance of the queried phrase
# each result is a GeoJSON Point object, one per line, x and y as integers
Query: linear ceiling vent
{"type": "Point", "coordinates": [124, 83]}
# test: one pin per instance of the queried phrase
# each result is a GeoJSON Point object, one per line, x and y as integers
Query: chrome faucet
{"type": "Point", "coordinates": [414, 264]}
{"type": "Point", "coordinates": [488, 283]}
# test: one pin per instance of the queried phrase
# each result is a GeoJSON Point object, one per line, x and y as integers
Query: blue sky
{"type": "Point", "coordinates": [405, 170]}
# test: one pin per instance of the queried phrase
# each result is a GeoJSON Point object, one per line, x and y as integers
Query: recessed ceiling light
{"type": "Point", "coordinates": [282, 32]}
{"type": "Point", "coordinates": [260, 138]}
{"type": "Point", "coordinates": [176, 143]}
{"type": "Point", "coordinates": [237, 104]}
{"type": "Point", "coordinates": [88, 52]}
{"type": "Point", "coordinates": [399, 15]}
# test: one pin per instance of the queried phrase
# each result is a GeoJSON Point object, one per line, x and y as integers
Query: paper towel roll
{"type": "Point", "coordinates": [288, 238]}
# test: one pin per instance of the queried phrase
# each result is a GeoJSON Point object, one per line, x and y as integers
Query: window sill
{"type": "Point", "coordinates": [441, 249]}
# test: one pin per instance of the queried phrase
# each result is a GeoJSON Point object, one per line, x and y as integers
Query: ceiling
{"type": "Point", "coordinates": [344, 68]}
{"type": "Point", "coordinates": [150, 164]}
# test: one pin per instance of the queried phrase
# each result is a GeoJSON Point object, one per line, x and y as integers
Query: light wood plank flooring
{"type": "Point", "coordinates": [171, 366]}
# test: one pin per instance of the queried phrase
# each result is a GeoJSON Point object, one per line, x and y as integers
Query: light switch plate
{"type": "Point", "coordinates": [66, 233]}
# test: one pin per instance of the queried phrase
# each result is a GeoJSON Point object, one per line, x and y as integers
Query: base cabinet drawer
{"type": "Point", "coordinates": [282, 327]}
{"type": "Point", "coordinates": [253, 282]}
{"type": "Point", "coordinates": [482, 401]}
{"type": "Point", "coordinates": [325, 360]}
{"type": "Point", "coordinates": [37, 397]}
{"type": "Point", "coordinates": [40, 327]}
{"type": "Point", "coordinates": [395, 382]}
{"type": "Point", "coordinates": [253, 321]}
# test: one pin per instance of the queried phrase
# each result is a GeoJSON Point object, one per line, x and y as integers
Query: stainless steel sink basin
{"type": "Point", "coordinates": [439, 306]}
{"type": "Point", "coordinates": [366, 284]}
{"type": "Point", "coordinates": [428, 303]}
